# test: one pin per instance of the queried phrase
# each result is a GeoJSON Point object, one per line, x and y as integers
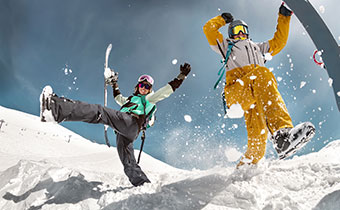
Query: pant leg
{"type": "Point", "coordinates": [258, 95]}
{"type": "Point", "coordinates": [131, 168]}
{"type": "Point", "coordinates": [257, 135]}
{"type": "Point", "coordinates": [68, 110]}
{"type": "Point", "coordinates": [269, 100]}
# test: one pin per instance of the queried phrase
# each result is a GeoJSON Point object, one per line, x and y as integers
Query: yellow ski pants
{"type": "Point", "coordinates": [255, 89]}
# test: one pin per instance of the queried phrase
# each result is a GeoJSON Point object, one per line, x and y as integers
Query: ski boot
{"type": "Point", "coordinates": [45, 105]}
{"type": "Point", "coordinates": [287, 141]}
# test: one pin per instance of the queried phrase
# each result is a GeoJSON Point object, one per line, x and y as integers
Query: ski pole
{"type": "Point", "coordinates": [141, 146]}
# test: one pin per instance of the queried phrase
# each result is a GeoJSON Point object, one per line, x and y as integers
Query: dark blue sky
{"type": "Point", "coordinates": [40, 38]}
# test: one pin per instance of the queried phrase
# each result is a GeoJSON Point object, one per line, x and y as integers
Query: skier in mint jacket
{"type": "Point", "coordinates": [134, 115]}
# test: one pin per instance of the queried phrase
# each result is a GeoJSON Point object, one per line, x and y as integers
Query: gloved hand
{"type": "Point", "coordinates": [228, 18]}
{"type": "Point", "coordinates": [185, 69]}
{"type": "Point", "coordinates": [111, 77]}
{"type": "Point", "coordinates": [285, 11]}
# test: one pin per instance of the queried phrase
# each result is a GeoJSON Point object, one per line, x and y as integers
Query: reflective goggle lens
{"type": "Point", "coordinates": [144, 85]}
{"type": "Point", "coordinates": [239, 28]}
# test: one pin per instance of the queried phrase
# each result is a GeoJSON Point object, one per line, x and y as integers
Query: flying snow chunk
{"type": "Point", "coordinates": [187, 118]}
{"type": "Point", "coordinates": [235, 111]}
{"type": "Point", "coordinates": [322, 9]}
{"type": "Point", "coordinates": [174, 61]}
{"type": "Point", "coordinates": [268, 56]}
{"type": "Point", "coordinates": [234, 126]}
{"type": "Point", "coordinates": [232, 154]}
{"type": "Point", "coordinates": [252, 77]}
{"type": "Point", "coordinates": [279, 79]}
{"type": "Point", "coordinates": [240, 81]}
{"type": "Point", "coordinates": [302, 84]}
{"type": "Point", "coordinates": [330, 82]}
{"type": "Point", "coordinates": [338, 93]}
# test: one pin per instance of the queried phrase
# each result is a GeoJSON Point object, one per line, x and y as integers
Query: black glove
{"type": "Point", "coordinates": [285, 11]}
{"type": "Point", "coordinates": [185, 69]}
{"type": "Point", "coordinates": [228, 18]}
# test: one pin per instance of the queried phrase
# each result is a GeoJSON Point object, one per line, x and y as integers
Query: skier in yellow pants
{"type": "Point", "coordinates": [250, 84]}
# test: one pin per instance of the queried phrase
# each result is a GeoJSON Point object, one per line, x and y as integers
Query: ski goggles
{"type": "Point", "coordinates": [144, 85]}
{"type": "Point", "coordinates": [147, 78]}
{"type": "Point", "coordinates": [238, 29]}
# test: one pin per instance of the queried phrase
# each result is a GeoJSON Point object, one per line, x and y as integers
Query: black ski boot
{"type": "Point", "coordinates": [287, 141]}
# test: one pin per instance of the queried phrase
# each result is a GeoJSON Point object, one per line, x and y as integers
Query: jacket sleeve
{"type": "Point", "coordinates": [160, 94]}
{"type": "Point", "coordinates": [119, 98]}
{"type": "Point", "coordinates": [279, 41]}
{"type": "Point", "coordinates": [210, 30]}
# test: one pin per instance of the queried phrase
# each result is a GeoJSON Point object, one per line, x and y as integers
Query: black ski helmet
{"type": "Point", "coordinates": [237, 23]}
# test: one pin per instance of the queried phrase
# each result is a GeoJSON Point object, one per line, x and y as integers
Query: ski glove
{"type": "Point", "coordinates": [228, 18]}
{"type": "Point", "coordinates": [285, 11]}
{"type": "Point", "coordinates": [185, 70]}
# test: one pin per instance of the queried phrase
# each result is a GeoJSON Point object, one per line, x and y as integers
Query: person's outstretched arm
{"type": "Point", "coordinates": [169, 88]}
{"type": "Point", "coordinates": [278, 42]}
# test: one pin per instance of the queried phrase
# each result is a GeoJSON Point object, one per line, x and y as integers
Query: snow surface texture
{"type": "Point", "coordinates": [45, 166]}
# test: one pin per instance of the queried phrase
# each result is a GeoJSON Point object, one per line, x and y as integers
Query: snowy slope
{"type": "Point", "coordinates": [45, 166]}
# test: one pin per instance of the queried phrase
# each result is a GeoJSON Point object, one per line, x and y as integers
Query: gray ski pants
{"type": "Point", "coordinates": [124, 124]}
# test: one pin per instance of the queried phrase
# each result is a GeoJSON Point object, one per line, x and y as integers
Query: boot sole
{"type": "Point", "coordinates": [309, 135]}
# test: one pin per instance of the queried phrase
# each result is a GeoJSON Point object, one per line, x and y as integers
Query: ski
{"type": "Point", "coordinates": [107, 54]}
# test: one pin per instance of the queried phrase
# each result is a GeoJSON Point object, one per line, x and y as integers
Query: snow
{"type": "Point", "coordinates": [252, 77]}
{"type": "Point", "coordinates": [268, 57]}
{"type": "Point", "coordinates": [240, 81]}
{"type": "Point", "coordinates": [174, 61]}
{"type": "Point", "coordinates": [322, 9]}
{"type": "Point", "coordinates": [330, 82]}
{"type": "Point", "coordinates": [235, 111]}
{"type": "Point", "coordinates": [233, 154]}
{"type": "Point", "coordinates": [187, 118]}
{"type": "Point", "coordinates": [302, 84]}
{"type": "Point", "coordinates": [46, 166]}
